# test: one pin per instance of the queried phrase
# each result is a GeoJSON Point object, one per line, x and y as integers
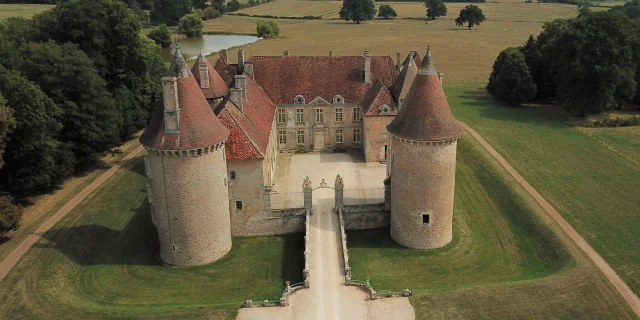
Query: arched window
{"type": "Point", "coordinates": [338, 99]}
{"type": "Point", "coordinates": [299, 99]}
{"type": "Point", "coordinates": [385, 109]}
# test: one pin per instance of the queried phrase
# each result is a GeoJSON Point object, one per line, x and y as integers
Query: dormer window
{"type": "Point", "coordinates": [299, 99]}
{"type": "Point", "coordinates": [338, 99]}
{"type": "Point", "coordinates": [384, 109]}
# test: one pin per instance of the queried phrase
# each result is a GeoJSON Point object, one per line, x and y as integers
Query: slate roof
{"type": "Point", "coordinates": [250, 129]}
{"type": "Point", "coordinates": [402, 84]}
{"type": "Point", "coordinates": [199, 127]}
{"type": "Point", "coordinates": [425, 114]}
{"type": "Point", "coordinates": [217, 86]}
{"type": "Point", "coordinates": [376, 98]}
{"type": "Point", "coordinates": [284, 77]}
{"type": "Point", "coordinates": [225, 70]}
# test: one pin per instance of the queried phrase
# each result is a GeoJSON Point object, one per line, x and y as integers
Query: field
{"type": "Point", "coordinates": [590, 176]}
{"type": "Point", "coordinates": [22, 10]}
{"type": "Point", "coordinates": [504, 261]}
{"type": "Point", "coordinates": [100, 262]}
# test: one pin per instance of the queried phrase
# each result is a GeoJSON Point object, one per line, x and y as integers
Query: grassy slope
{"type": "Point", "coordinates": [99, 262]}
{"type": "Point", "coordinates": [22, 10]}
{"type": "Point", "coordinates": [593, 187]}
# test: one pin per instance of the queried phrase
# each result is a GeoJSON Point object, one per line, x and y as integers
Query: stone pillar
{"type": "Point", "coordinates": [387, 193]}
{"type": "Point", "coordinates": [306, 188]}
{"type": "Point", "coordinates": [267, 198]}
{"type": "Point", "coordinates": [339, 189]}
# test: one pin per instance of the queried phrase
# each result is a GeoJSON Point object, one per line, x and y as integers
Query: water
{"type": "Point", "coordinates": [207, 44]}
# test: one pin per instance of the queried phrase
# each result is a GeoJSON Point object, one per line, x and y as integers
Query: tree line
{"type": "Point", "coordinates": [75, 81]}
{"type": "Point", "coordinates": [588, 64]}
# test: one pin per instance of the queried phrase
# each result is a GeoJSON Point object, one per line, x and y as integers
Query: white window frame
{"type": "Point", "coordinates": [299, 115]}
{"type": "Point", "coordinates": [356, 114]}
{"type": "Point", "coordinates": [339, 136]}
{"type": "Point", "coordinates": [299, 135]}
{"type": "Point", "coordinates": [282, 136]}
{"type": "Point", "coordinates": [319, 115]}
{"type": "Point", "coordinates": [338, 112]}
{"type": "Point", "coordinates": [282, 116]}
{"type": "Point", "coordinates": [357, 134]}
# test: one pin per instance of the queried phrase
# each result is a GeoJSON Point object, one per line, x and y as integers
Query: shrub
{"type": "Point", "coordinates": [268, 28]}
{"type": "Point", "coordinates": [10, 214]}
{"type": "Point", "coordinates": [161, 35]}
{"type": "Point", "coordinates": [386, 11]}
{"type": "Point", "coordinates": [191, 25]}
{"type": "Point", "coordinates": [210, 13]}
{"type": "Point", "coordinates": [617, 122]}
{"type": "Point", "coordinates": [233, 5]}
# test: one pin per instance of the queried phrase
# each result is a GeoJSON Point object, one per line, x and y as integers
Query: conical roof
{"type": "Point", "coordinates": [217, 87]}
{"type": "Point", "coordinates": [400, 87]}
{"type": "Point", "coordinates": [425, 114]}
{"type": "Point", "coordinates": [199, 127]}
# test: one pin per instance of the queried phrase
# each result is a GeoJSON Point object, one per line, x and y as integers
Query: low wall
{"type": "Point", "coordinates": [365, 216]}
{"type": "Point", "coordinates": [270, 223]}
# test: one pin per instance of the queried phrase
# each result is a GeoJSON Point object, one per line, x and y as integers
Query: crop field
{"type": "Point", "coordinates": [504, 261]}
{"type": "Point", "coordinates": [590, 178]}
{"type": "Point", "coordinates": [22, 10]}
{"type": "Point", "coordinates": [100, 262]}
{"type": "Point", "coordinates": [462, 55]}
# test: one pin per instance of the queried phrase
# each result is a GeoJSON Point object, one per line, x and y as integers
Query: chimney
{"type": "Point", "coordinates": [239, 92]}
{"type": "Point", "coordinates": [412, 53]}
{"type": "Point", "coordinates": [367, 67]}
{"type": "Point", "coordinates": [248, 68]}
{"type": "Point", "coordinates": [398, 59]}
{"type": "Point", "coordinates": [286, 53]}
{"type": "Point", "coordinates": [240, 61]}
{"type": "Point", "coordinates": [223, 54]}
{"type": "Point", "coordinates": [203, 70]}
{"type": "Point", "coordinates": [330, 54]}
{"type": "Point", "coordinates": [440, 76]}
{"type": "Point", "coordinates": [171, 104]}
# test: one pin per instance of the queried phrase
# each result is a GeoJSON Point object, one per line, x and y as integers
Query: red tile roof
{"type": "Point", "coordinates": [217, 86]}
{"type": "Point", "coordinates": [199, 127]}
{"type": "Point", "coordinates": [376, 98]}
{"type": "Point", "coordinates": [425, 114]}
{"type": "Point", "coordinates": [226, 71]}
{"type": "Point", "coordinates": [284, 77]}
{"type": "Point", "coordinates": [251, 128]}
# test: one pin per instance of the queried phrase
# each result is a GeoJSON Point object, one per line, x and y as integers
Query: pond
{"type": "Point", "coordinates": [207, 44]}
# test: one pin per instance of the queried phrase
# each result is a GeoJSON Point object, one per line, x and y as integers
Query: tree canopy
{"type": "Point", "coordinates": [268, 28]}
{"type": "Point", "coordinates": [169, 12]}
{"type": "Point", "coordinates": [386, 11]}
{"type": "Point", "coordinates": [357, 10]}
{"type": "Point", "coordinates": [435, 8]}
{"type": "Point", "coordinates": [161, 35]}
{"type": "Point", "coordinates": [510, 80]}
{"type": "Point", "coordinates": [471, 15]}
{"type": "Point", "coordinates": [10, 214]}
{"type": "Point", "coordinates": [191, 25]}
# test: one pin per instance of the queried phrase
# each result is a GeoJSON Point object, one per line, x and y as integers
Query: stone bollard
{"type": "Point", "coordinates": [339, 189]}
{"type": "Point", "coordinates": [248, 304]}
{"type": "Point", "coordinates": [306, 188]}
{"type": "Point", "coordinates": [406, 293]}
{"type": "Point", "coordinates": [387, 194]}
{"type": "Point", "coordinates": [283, 302]}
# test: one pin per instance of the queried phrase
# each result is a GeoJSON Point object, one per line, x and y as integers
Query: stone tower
{"type": "Point", "coordinates": [187, 166]}
{"type": "Point", "coordinates": [423, 139]}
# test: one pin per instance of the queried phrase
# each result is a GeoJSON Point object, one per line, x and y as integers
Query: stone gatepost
{"type": "Point", "coordinates": [339, 189]}
{"type": "Point", "coordinates": [306, 188]}
{"type": "Point", "coordinates": [267, 198]}
{"type": "Point", "coordinates": [387, 194]}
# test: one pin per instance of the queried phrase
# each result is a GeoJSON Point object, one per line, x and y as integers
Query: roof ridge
{"type": "Point", "coordinates": [232, 116]}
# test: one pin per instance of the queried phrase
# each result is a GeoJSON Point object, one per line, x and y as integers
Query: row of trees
{"type": "Point", "coordinates": [589, 64]}
{"type": "Point", "coordinates": [74, 82]}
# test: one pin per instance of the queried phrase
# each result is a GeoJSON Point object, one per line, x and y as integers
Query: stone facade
{"type": "Point", "coordinates": [376, 148]}
{"type": "Point", "coordinates": [366, 216]}
{"type": "Point", "coordinates": [190, 206]}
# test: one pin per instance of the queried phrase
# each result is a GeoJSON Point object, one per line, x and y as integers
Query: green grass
{"type": "Point", "coordinates": [100, 262]}
{"type": "Point", "coordinates": [591, 185]}
{"type": "Point", "coordinates": [22, 10]}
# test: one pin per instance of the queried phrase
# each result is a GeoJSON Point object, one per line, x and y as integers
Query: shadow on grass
{"type": "Point", "coordinates": [292, 258]}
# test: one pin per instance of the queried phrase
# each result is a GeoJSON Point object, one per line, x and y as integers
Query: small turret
{"type": "Point", "coordinates": [210, 81]}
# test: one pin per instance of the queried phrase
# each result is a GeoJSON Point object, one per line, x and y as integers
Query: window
{"type": "Point", "coordinates": [282, 137]}
{"type": "Point", "coordinates": [426, 219]}
{"type": "Point", "coordinates": [238, 205]}
{"type": "Point", "coordinates": [338, 114]}
{"type": "Point", "coordinates": [298, 99]}
{"type": "Point", "coordinates": [356, 135]}
{"type": "Point", "coordinates": [356, 114]}
{"type": "Point", "coordinates": [385, 109]}
{"type": "Point", "coordinates": [300, 137]}
{"type": "Point", "coordinates": [299, 115]}
{"type": "Point", "coordinates": [319, 116]}
{"type": "Point", "coordinates": [338, 99]}
{"type": "Point", "coordinates": [232, 175]}
{"type": "Point", "coordinates": [338, 135]}
{"type": "Point", "coordinates": [282, 117]}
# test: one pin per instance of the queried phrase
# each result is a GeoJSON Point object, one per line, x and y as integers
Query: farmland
{"type": "Point", "coordinates": [22, 10]}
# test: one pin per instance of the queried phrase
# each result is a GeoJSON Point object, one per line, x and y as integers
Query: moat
{"type": "Point", "coordinates": [207, 44]}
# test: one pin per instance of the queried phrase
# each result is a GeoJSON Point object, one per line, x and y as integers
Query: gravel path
{"type": "Point", "coordinates": [21, 249]}
{"type": "Point", "coordinates": [613, 277]}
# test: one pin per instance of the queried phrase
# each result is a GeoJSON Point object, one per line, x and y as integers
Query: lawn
{"type": "Point", "coordinates": [295, 8]}
{"type": "Point", "coordinates": [22, 10]}
{"type": "Point", "coordinates": [504, 262]}
{"type": "Point", "coordinates": [591, 179]}
{"type": "Point", "coordinates": [100, 262]}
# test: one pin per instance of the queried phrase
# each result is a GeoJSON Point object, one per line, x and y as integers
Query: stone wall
{"type": "Point", "coordinates": [375, 137]}
{"type": "Point", "coordinates": [365, 216]}
{"type": "Point", "coordinates": [271, 223]}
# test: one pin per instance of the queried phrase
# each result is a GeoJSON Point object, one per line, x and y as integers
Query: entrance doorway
{"type": "Point", "coordinates": [383, 152]}
{"type": "Point", "coordinates": [318, 140]}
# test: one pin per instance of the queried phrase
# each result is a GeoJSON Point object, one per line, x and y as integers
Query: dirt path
{"type": "Point", "coordinates": [613, 277]}
{"type": "Point", "coordinates": [21, 249]}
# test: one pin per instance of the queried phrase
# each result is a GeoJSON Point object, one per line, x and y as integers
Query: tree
{"type": "Point", "coordinates": [137, 9]}
{"type": "Point", "coordinates": [357, 10]}
{"type": "Point", "coordinates": [210, 13]}
{"type": "Point", "coordinates": [385, 11]}
{"type": "Point", "coordinates": [472, 15]}
{"type": "Point", "coordinates": [170, 11]}
{"type": "Point", "coordinates": [510, 80]}
{"type": "Point", "coordinates": [268, 29]}
{"type": "Point", "coordinates": [435, 8]}
{"type": "Point", "coordinates": [10, 214]}
{"type": "Point", "coordinates": [7, 124]}
{"type": "Point", "coordinates": [233, 5]}
{"type": "Point", "coordinates": [199, 4]}
{"type": "Point", "coordinates": [539, 70]}
{"type": "Point", "coordinates": [161, 35]}
{"type": "Point", "coordinates": [191, 25]}
{"type": "Point", "coordinates": [219, 5]}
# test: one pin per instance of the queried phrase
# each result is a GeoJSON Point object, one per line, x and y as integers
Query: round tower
{"type": "Point", "coordinates": [423, 139]}
{"type": "Point", "coordinates": [187, 166]}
